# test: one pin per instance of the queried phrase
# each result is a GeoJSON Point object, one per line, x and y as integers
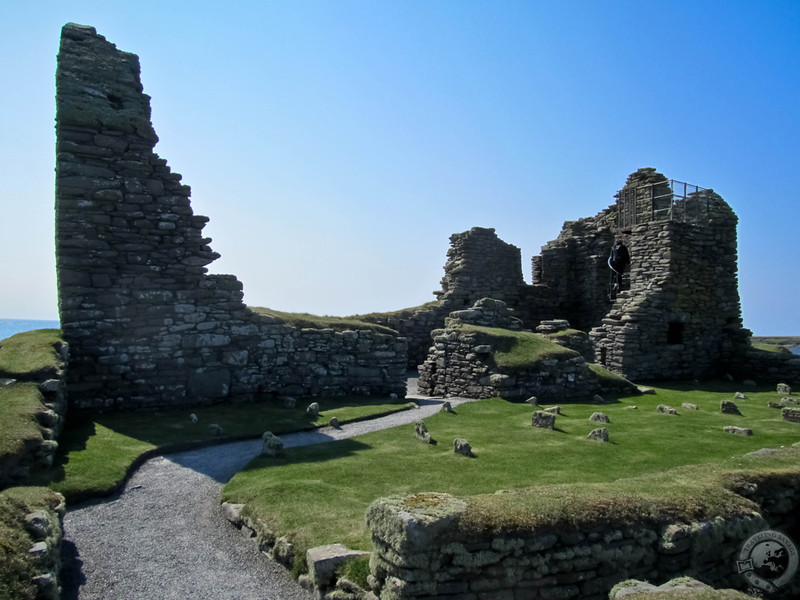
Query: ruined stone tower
{"type": "Point", "coordinates": [681, 316]}
{"type": "Point", "coordinates": [146, 324]}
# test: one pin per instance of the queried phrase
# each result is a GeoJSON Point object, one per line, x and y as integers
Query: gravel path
{"type": "Point", "coordinates": [164, 537]}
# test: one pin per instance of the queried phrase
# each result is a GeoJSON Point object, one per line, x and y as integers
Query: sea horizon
{"type": "Point", "coordinates": [9, 327]}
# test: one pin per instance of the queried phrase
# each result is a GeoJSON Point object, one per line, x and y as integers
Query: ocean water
{"type": "Point", "coordinates": [9, 327]}
{"type": "Point", "coordinates": [795, 349]}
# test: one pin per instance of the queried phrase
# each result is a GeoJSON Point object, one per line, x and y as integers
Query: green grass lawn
{"type": "Point", "coordinates": [335, 482]}
{"type": "Point", "coordinates": [30, 353]}
{"type": "Point", "coordinates": [303, 320]}
{"type": "Point", "coordinates": [97, 451]}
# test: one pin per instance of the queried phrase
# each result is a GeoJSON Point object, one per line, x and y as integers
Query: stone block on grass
{"type": "Point", "coordinates": [543, 420]}
{"type": "Point", "coordinates": [791, 414]}
{"type": "Point", "coordinates": [728, 407]}
{"type": "Point", "coordinates": [599, 435]}
{"type": "Point", "coordinates": [743, 431]}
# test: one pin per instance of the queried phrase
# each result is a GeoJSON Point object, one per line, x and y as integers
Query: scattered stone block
{"type": "Point", "coordinates": [216, 430]}
{"type": "Point", "coordinates": [689, 405]}
{"type": "Point", "coordinates": [461, 446]}
{"type": "Point", "coordinates": [422, 433]}
{"type": "Point", "coordinates": [728, 407]}
{"type": "Point", "coordinates": [271, 445]}
{"type": "Point", "coordinates": [739, 396]}
{"type": "Point", "coordinates": [743, 431]}
{"type": "Point", "coordinates": [598, 399]}
{"type": "Point", "coordinates": [543, 420]}
{"type": "Point", "coordinates": [791, 414]}
{"type": "Point", "coordinates": [334, 422]}
{"type": "Point", "coordinates": [447, 407]}
{"type": "Point", "coordinates": [233, 513]}
{"type": "Point", "coordinates": [784, 389]}
{"type": "Point", "coordinates": [599, 417]}
{"type": "Point", "coordinates": [788, 401]}
{"type": "Point", "coordinates": [324, 560]}
{"type": "Point", "coordinates": [313, 409]}
{"type": "Point", "coordinates": [667, 410]}
{"type": "Point", "coordinates": [632, 407]}
{"type": "Point", "coordinates": [553, 410]}
{"type": "Point", "coordinates": [193, 418]}
{"type": "Point", "coordinates": [600, 434]}
{"type": "Point", "coordinates": [645, 390]}
{"type": "Point", "coordinates": [533, 401]}
{"type": "Point", "coordinates": [775, 405]}
{"type": "Point", "coordinates": [749, 383]}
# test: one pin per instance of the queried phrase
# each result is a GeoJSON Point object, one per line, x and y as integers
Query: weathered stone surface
{"type": "Point", "coordinates": [667, 410]}
{"type": "Point", "coordinates": [689, 406]}
{"type": "Point", "coordinates": [313, 409]}
{"type": "Point", "coordinates": [421, 431]}
{"type": "Point", "coordinates": [543, 420]}
{"type": "Point", "coordinates": [791, 414]}
{"type": "Point", "coordinates": [599, 417]}
{"type": "Point", "coordinates": [600, 434]}
{"type": "Point", "coordinates": [323, 561]}
{"type": "Point", "coordinates": [461, 446]}
{"type": "Point", "coordinates": [784, 389]}
{"type": "Point", "coordinates": [729, 407]}
{"type": "Point", "coordinates": [271, 445]}
{"type": "Point", "coordinates": [743, 431]}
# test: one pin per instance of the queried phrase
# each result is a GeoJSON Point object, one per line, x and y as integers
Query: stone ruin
{"type": "Point", "coordinates": [147, 326]}
{"type": "Point", "coordinates": [464, 361]}
{"type": "Point", "coordinates": [677, 316]}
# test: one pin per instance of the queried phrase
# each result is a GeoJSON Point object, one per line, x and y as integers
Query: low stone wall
{"type": "Point", "coordinates": [423, 550]}
{"type": "Point", "coordinates": [461, 362]}
{"type": "Point", "coordinates": [770, 367]}
{"type": "Point", "coordinates": [39, 451]}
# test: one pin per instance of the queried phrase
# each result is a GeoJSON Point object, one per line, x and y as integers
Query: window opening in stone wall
{"type": "Point", "coordinates": [668, 200]}
{"type": "Point", "coordinates": [675, 333]}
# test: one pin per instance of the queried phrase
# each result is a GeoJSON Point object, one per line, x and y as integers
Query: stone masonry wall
{"type": "Point", "coordinates": [461, 362]}
{"type": "Point", "coordinates": [681, 317]}
{"type": "Point", "coordinates": [479, 265]}
{"type": "Point", "coordinates": [146, 324]}
{"type": "Point", "coordinates": [423, 550]}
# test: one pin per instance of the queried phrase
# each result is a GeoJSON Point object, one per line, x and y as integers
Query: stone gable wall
{"type": "Point", "coordinates": [146, 324]}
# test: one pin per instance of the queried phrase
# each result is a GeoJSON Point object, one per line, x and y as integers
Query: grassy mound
{"type": "Point", "coordinates": [31, 355]}
{"type": "Point", "coordinates": [556, 475]}
{"type": "Point", "coordinates": [17, 566]}
{"type": "Point", "coordinates": [305, 320]}
{"type": "Point", "coordinates": [517, 349]}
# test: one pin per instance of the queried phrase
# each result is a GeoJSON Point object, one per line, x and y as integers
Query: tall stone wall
{"type": "Point", "coordinates": [574, 267]}
{"type": "Point", "coordinates": [681, 317]}
{"type": "Point", "coordinates": [146, 324]}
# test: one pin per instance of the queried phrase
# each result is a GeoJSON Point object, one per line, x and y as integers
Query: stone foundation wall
{"type": "Point", "coordinates": [38, 452]}
{"type": "Point", "coordinates": [423, 550]}
{"type": "Point", "coordinates": [461, 362]}
{"type": "Point", "coordinates": [146, 324]}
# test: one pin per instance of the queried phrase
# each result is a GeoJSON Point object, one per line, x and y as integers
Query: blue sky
{"type": "Point", "coordinates": [337, 145]}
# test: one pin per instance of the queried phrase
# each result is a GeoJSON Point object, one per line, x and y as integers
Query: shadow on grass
{"type": "Point", "coordinates": [99, 452]}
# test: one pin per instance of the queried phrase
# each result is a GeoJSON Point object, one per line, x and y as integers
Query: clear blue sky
{"type": "Point", "coordinates": [336, 145]}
